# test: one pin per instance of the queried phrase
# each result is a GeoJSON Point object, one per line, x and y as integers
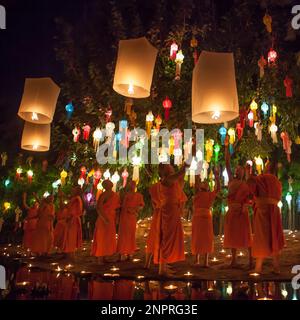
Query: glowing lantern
{"type": "Point", "coordinates": [231, 133]}
{"type": "Point", "coordinates": [7, 183]}
{"type": "Point", "coordinates": [204, 171]}
{"type": "Point", "coordinates": [18, 173]}
{"type": "Point", "coordinates": [97, 176]}
{"type": "Point", "coordinates": [250, 164]}
{"type": "Point", "coordinates": [262, 62]}
{"type": "Point", "coordinates": [97, 136]}
{"type": "Point", "coordinates": [29, 175]}
{"type": "Point", "coordinates": [214, 92]}
{"type": "Point", "coordinates": [194, 44]}
{"type": "Point", "coordinates": [267, 20]}
{"type": "Point", "coordinates": [3, 159]}
{"type": "Point", "coordinates": [173, 50]}
{"type": "Point", "coordinates": [258, 130]}
{"type": "Point", "coordinates": [288, 199]}
{"type": "Point", "coordinates": [288, 82]}
{"type": "Point", "coordinates": [136, 162]}
{"type": "Point", "coordinates": [158, 122]}
{"type": "Point", "coordinates": [209, 149]}
{"type": "Point", "coordinates": [86, 132]}
{"type": "Point", "coordinates": [89, 197]}
{"type": "Point", "coordinates": [39, 100]}
{"type": "Point", "coordinates": [287, 144]}
{"type": "Point", "coordinates": [250, 119]}
{"type": "Point", "coordinates": [273, 116]}
{"type": "Point", "coordinates": [192, 171]}
{"type": "Point", "coordinates": [223, 132]}
{"type": "Point", "coordinates": [36, 137]}
{"type": "Point", "coordinates": [149, 121]}
{"type": "Point", "coordinates": [259, 164]}
{"type": "Point", "coordinates": [272, 56]}
{"type": "Point", "coordinates": [108, 114]}
{"type": "Point", "coordinates": [115, 179]}
{"type": "Point", "coordinates": [56, 184]}
{"type": "Point", "coordinates": [70, 110]}
{"type": "Point", "coordinates": [63, 176]}
{"type": "Point", "coordinates": [167, 104]}
{"type": "Point", "coordinates": [239, 130]}
{"type": "Point", "coordinates": [76, 134]}
{"type": "Point", "coordinates": [273, 129]}
{"type": "Point", "coordinates": [134, 68]}
{"type": "Point", "coordinates": [265, 108]}
{"type": "Point", "coordinates": [178, 61]}
{"type": "Point", "coordinates": [106, 174]}
{"type": "Point", "coordinates": [253, 107]}
{"type": "Point", "coordinates": [217, 149]}
{"type": "Point", "coordinates": [81, 182]}
{"type": "Point", "coordinates": [7, 206]}
{"type": "Point", "coordinates": [125, 175]}
{"type": "Point", "coordinates": [177, 156]}
{"type": "Point", "coordinates": [225, 177]}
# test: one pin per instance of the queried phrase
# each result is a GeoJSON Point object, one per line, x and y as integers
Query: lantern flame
{"type": "Point", "coordinates": [34, 116]}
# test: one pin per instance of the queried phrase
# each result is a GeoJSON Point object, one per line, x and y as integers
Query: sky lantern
{"type": "Point", "coordinates": [134, 68]}
{"type": "Point", "coordinates": [167, 104]}
{"type": "Point", "coordinates": [36, 137]}
{"type": "Point", "coordinates": [39, 100]}
{"type": "Point", "coordinates": [214, 91]}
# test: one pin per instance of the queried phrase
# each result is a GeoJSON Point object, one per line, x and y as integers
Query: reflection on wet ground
{"type": "Point", "coordinates": [28, 283]}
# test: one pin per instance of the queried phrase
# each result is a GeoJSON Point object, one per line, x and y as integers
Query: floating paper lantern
{"type": "Point", "coordinates": [134, 68]}
{"type": "Point", "coordinates": [214, 92]}
{"type": "Point", "coordinates": [36, 137]}
{"type": "Point", "coordinates": [39, 100]}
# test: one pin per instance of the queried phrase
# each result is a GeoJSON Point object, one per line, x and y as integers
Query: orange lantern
{"type": "Point", "coordinates": [36, 137]}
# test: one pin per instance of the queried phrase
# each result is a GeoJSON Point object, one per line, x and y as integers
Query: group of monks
{"type": "Point", "coordinates": [165, 242]}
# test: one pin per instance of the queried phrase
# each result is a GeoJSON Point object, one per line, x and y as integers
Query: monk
{"type": "Point", "coordinates": [73, 231]}
{"type": "Point", "coordinates": [29, 222]}
{"type": "Point", "coordinates": [132, 203]}
{"type": "Point", "coordinates": [202, 221]}
{"type": "Point", "coordinates": [237, 227]}
{"type": "Point", "coordinates": [104, 241]}
{"type": "Point", "coordinates": [268, 232]}
{"type": "Point", "coordinates": [43, 234]}
{"type": "Point", "coordinates": [61, 224]}
{"type": "Point", "coordinates": [171, 244]}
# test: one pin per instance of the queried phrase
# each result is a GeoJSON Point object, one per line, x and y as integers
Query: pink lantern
{"type": "Point", "coordinates": [76, 134]}
{"type": "Point", "coordinates": [173, 50]}
{"type": "Point", "coordinates": [250, 118]}
{"type": "Point", "coordinates": [86, 132]}
{"type": "Point", "coordinates": [125, 177]}
{"type": "Point", "coordinates": [167, 104]}
{"type": "Point", "coordinates": [272, 56]}
{"type": "Point", "coordinates": [287, 144]}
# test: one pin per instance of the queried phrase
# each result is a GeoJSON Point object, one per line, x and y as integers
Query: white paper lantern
{"type": "Point", "coordinates": [134, 68]}
{"type": "Point", "coordinates": [36, 137]}
{"type": "Point", "coordinates": [39, 100]}
{"type": "Point", "coordinates": [214, 92]}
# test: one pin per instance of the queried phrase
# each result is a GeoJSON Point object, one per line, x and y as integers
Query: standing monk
{"type": "Point", "coordinates": [237, 228]}
{"type": "Point", "coordinates": [43, 234]}
{"type": "Point", "coordinates": [104, 242]}
{"type": "Point", "coordinates": [268, 232]}
{"type": "Point", "coordinates": [29, 222]}
{"type": "Point", "coordinates": [171, 245]}
{"type": "Point", "coordinates": [73, 231]}
{"type": "Point", "coordinates": [132, 203]}
{"type": "Point", "coordinates": [202, 222]}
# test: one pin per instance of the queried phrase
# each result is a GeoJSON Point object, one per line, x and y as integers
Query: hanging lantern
{"type": "Point", "coordinates": [63, 176]}
{"type": "Point", "coordinates": [287, 144]}
{"type": "Point", "coordinates": [134, 68]}
{"type": "Point", "coordinates": [115, 179]}
{"type": "Point", "coordinates": [6, 205]}
{"type": "Point", "coordinates": [225, 177]}
{"type": "Point", "coordinates": [76, 134]}
{"type": "Point", "coordinates": [262, 62]}
{"type": "Point", "coordinates": [204, 171]}
{"type": "Point", "coordinates": [177, 156]}
{"type": "Point", "coordinates": [258, 130]}
{"type": "Point", "coordinates": [194, 44]}
{"type": "Point", "coordinates": [36, 137]}
{"type": "Point", "coordinates": [18, 173]}
{"type": "Point", "coordinates": [29, 176]}
{"type": "Point", "coordinates": [125, 175]}
{"type": "Point", "coordinates": [106, 174]}
{"type": "Point", "coordinates": [273, 131]}
{"type": "Point", "coordinates": [253, 108]}
{"type": "Point", "coordinates": [217, 149]}
{"type": "Point", "coordinates": [171, 145]}
{"type": "Point", "coordinates": [83, 172]}
{"type": "Point", "coordinates": [70, 110]}
{"type": "Point", "coordinates": [273, 116]}
{"type": "Point", "coordinates": [136, 162]}
{"type": "Point", "coordinates": [259, 164]}
{"type": "Point", "coordinates": [209, 149]}
{"type": "Point", "coordinates": [231, 133]}
{"type": "Point", "coordinates": [288, 83]}
{"type": "Point", "coordinates": [192, 171]}
{"type": "Point", "coordinates": [265, 108]}
{"type": "Point", "coordinates": [86, 132]}
{"type": "Point", "coordinates": [173, 50]}
{"type": "Point", "coordinates": [214, 92]}
{"type": "Point", "coordinates": [178, 61]}
{"type": "Point", "coordinates": [250, 164]}
{"type": "Point", "coordinates": [272, 56]}
{"type": "Point", "coordinates": [167, 104]}
{"type": "Point", "coordinates": [97, 136]}
{"type": "Point", "coordinates": [267, 20]}
{"type": "Point", "coordinates": [158, 122]}
{"type": "Point", "coordinates": [149, 121]}
{"type": "Point", "coordinates": [81, 182]}
{"type": "Point", "coordinates": [223, 132]}
{"type": "Point", "coordinates": [97, 176]}
{"type": "Point", "coordinates": [239, 130]}
{"type": "Point", "coordinates": [39, 100]}
{"type": "Point", "coordinates": [250, 118]}
{"type": "Point", "coordinates": [108, 114]}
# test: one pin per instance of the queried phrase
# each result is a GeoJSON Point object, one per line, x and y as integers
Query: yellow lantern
{"type": "Point", "coordinates": [7, 206]}
{"type": "Point", "coordinates": [63, 176]}
{"type": "Point", "coordinates": [214, 92]}
{"type": "Point", "coordinates": [39, 100]}
{"type": "Point", "coordinates": [259, 164]}
{"type": "Point", "coordinates": [36, 137]}
{"type": "Point", "coordinates": [134, 68]}
{"type": "Point", "coordinates": [253, 107]}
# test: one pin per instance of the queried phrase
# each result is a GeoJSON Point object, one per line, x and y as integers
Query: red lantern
{"type": "Point", "coordinates": [239, 130]}
{"type": "Point", "coordinates": [173, 50]}
{"type": "Point", "coordinates": [243, 116]}
{"type": "Point", "coordinates": [97, 177]}
{"type": "Point", "coordinates": [83, 172]}
{"type": "Point", "coordinates": [251, 118]}
{"type": "Point", "coordinates": [272, 56]}
{"type": "Point", "coordinates": [86, 132]}
{"type": "Point", "coordinates": [288, 82]}
{"type": "Point", "coordinates": [167, 104]}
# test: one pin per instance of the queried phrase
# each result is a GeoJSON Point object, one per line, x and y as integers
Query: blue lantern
{"type": "Point", "coordinates": [223, 132]}
{"type": "Point", "coordinates": [265, 108]}
{"type": "Point", "coordinates": [123, 124]}
{"type": "Point", "coordinates": [70, 110]}
{"type": "Point", "coordinates": [7, 183]}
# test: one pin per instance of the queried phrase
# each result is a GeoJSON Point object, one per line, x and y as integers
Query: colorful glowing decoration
{"type": "Point", "coordinates": [177, 156]}
{"type": "Point", "coordinates": [262, 62]}
{"type": "Point", "coordinates": [265, 109]}
{"type": "Point", "coordinates": [56, 184]}
{"type": "Point", "coordinates": [243, 116]}
{"type": "Point", "coordinates": [204, 171]}
{"type": "Point", "coordinates": [231, 133]}
{"type": "Point", "coordinates": [178, 61]}
{"type": "Point", "coordinates": [39, 100]}
{"type": "Point", "coordinates": [3, 159]}
{"type": "Point", "coordinates": [223, 132]}
{"type": "Point", "coordinates": [288, 83]}
{"type": "Point", "coordinates": [18, 173]}
{"type": "Point", "coordinates": [7, 183]}
{"type": "Point", "coordinates": [108, 114]}
{"type": "Point", "coordinates": [97, 176]}
{"type": "Point", "coordinates": [83, 172]}
{"type": "Point", "coordinates": [239, 130]}
{"type": "Point", "coordinates": [149, 122]}
{"type": "Point", "coordinates": [76, 134]}
{"type": "Point", "coordinates": [86, 132]}
{"type": "Point", "coordinates": [167, 104]}
{"type": "Point", "coordinates": [259, 164]}
{"type": "Point", "coordinates": [63, 176]}
{"type": "Point", "coordinates": [136, 162]}
{"type": "Point", "coordinates": [253, 108]}
{"type": "Point", "coordinates": [36, 137]}
{"type": "Point", "coordinates": [217, 149]}
{"type": "Point", "coordinates": [194, 44]}
{"type": "Point", "coordinates": [46, 194]}
{"type": "Point", "coordinates": [158, 122]}
{"type": "Point", "coordinates": [290, 183]}
{"type": "Point", "coordinates": [250, 164]}
{"type": "Point", "coordinates": [81, 182]}
{"type": "Point", "coordinates": [29, 176]}
{"type": "Point", "coordinates": [288, 199]}
{"type": "Point", "coordinates": [7, 206]}
{"type": "Point", "coordinates": [70, 110]}
{"type": "Point", "coordinates": [273, 131]}
{"type": "Point", "coordinates": [89, 197]}
{"type": "Point", "coordinates": [225, 177]}
{"type": "Point", "coordinates": [115, 179]}
{"type": "Point", "coordinates": [106, 174]}
{"type": "Point", "coordinates": [250, 119]}
{"type": "Point", "coordinates": [97, 136]}
{"type": "Point", "coordinates": [287, 145]}
{"type": "Point", "coordinates": [209, 150]}
{"type": "Point", "coordinates": [192, 171]}
{"type": "Point", "coordinates": [214, 91]}
{"type": "Point", "coordinates": [173, 50]}
{"type": "Point", "coordinates": [272, 57]}
{"type": "Point", "coordinates": [171, 145]}
{"type": "Point", "coordinates": [125, 175]}
{"type": "Point", "coordinates": [267, 20]}
{"type": "Point", "coordinates": [134, 68]}
{"type": "Point", "coordinates": [258, 130]}
{"type": "Point", "coordinates": [99, 189]}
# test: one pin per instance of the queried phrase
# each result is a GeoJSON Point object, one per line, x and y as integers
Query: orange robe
{"type": "Point", "coordinates": [104, 242]}
{"type": "Point", "coordinates": [171, 231]}
{"type": "Point", "coordinates": [202, 224]}
{"type": "Point", "coordinates": [127, 227]}
{"type": "Point", "coordinates": [73, 231]}
{"type": "Point", "coordinates": [29, 226]}
{"type": "Point", "coordinates": [101, 290]}
{"type": "Point", "coordinates": [123, 290]}
{"type": "Point", "coordinates": [43, 234]}
{"type": "Point", "coordinates": [60, 228]}
{"type": "Point", "coordinates": [237, 227]}
{"type": "Point", "coordinates": [268, 232]}
{"type": "Point", "coordinates": [152, 243]}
